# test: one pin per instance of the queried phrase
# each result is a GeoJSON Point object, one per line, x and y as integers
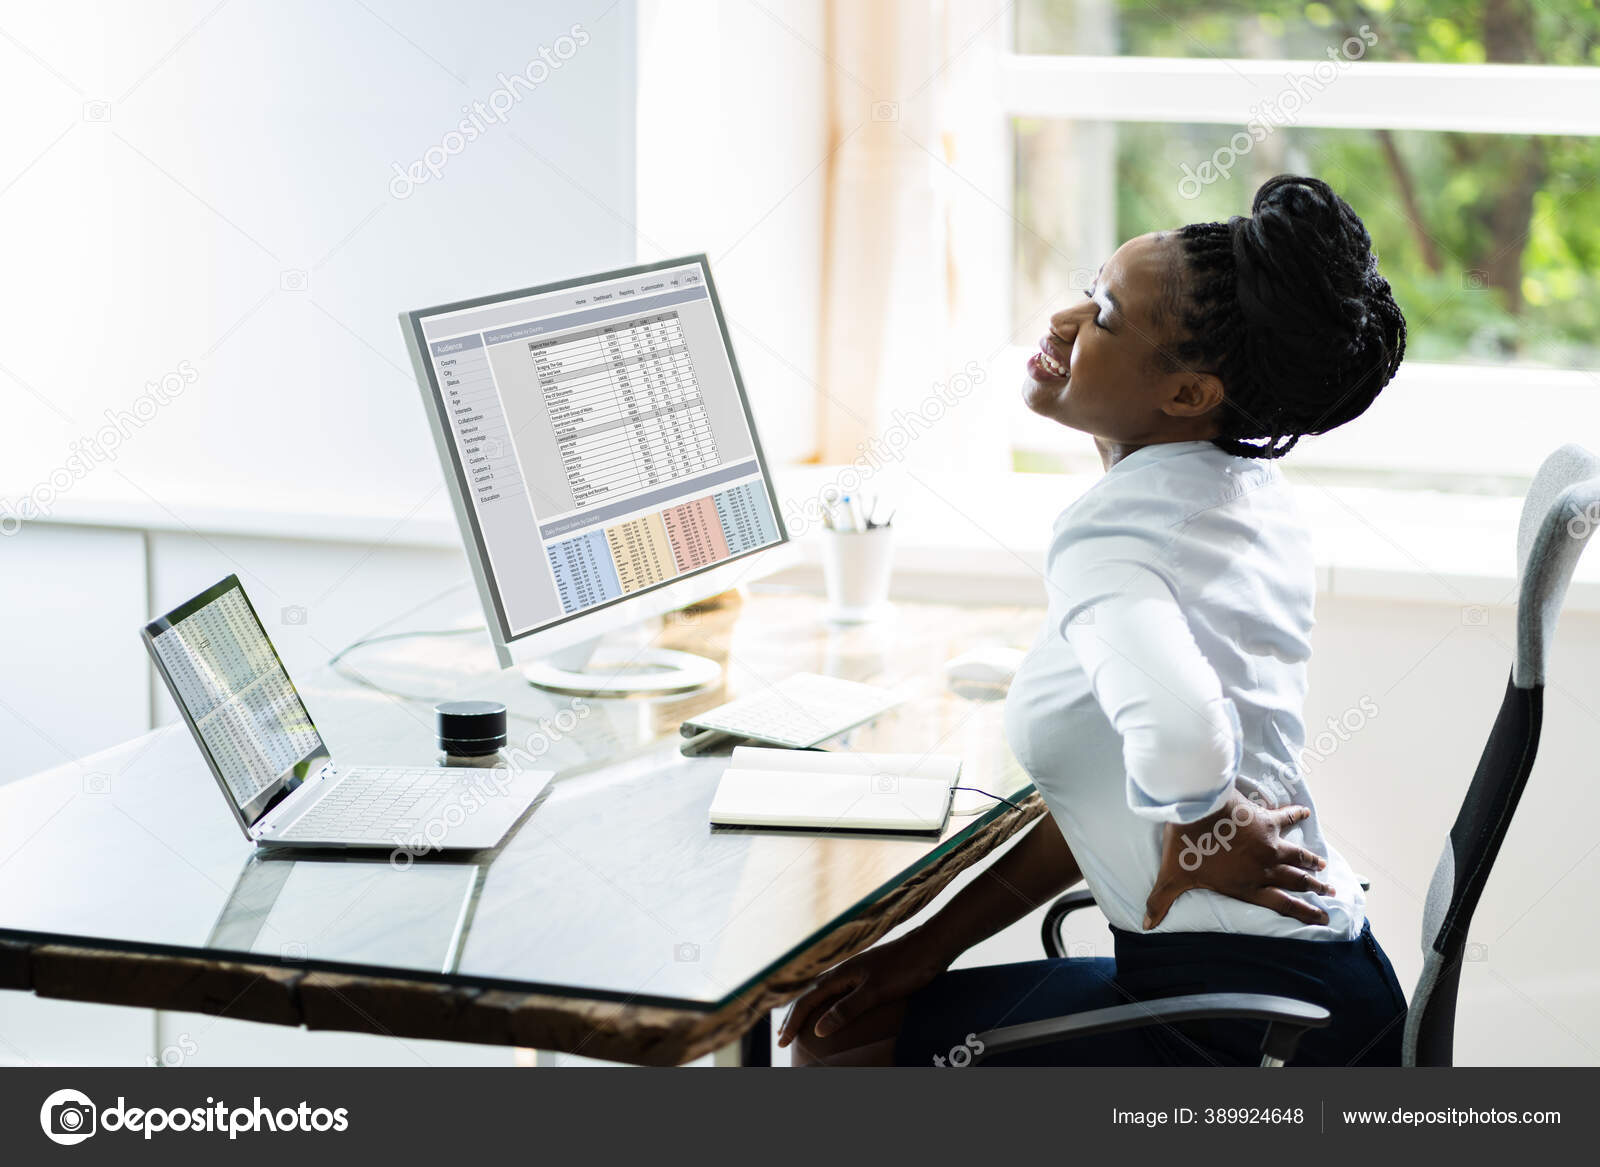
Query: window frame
{"type": "Point", "coordinates": [1371, 95]}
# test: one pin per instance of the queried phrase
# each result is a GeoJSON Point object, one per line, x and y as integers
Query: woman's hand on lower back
{"type": "Point", "coordinates": [889, 972]}
{"type": "Point", "coordinates": [1239, 852]}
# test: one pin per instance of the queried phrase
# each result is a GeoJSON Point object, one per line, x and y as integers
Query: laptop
{"type": "Point", "coordinates": [278, 777]}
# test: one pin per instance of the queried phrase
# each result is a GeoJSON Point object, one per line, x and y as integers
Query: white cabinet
{"type": "Point", "coordinates": [73, 673]}
{"type": "Point", "coordinates": [39, 1032]}
{"type": "Point", "coordinates": [191, 1039]}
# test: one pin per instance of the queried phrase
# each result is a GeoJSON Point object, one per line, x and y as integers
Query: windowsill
{"type": "Point", "coordinates": [962, 536]}
{"type": "Point", "coordinates": [1420, 546]}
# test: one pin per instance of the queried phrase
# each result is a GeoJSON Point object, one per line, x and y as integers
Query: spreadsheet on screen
{"type": "Point", "coordinates": [236, 692]}
{"type": "Point", "coordinates": [599, 428]}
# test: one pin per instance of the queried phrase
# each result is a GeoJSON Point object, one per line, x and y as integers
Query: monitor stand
{"type": "Point", "coordinates": [644, 672]}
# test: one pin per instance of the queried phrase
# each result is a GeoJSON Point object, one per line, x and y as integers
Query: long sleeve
{"type": "Point", "coordinates": [1181, 740]}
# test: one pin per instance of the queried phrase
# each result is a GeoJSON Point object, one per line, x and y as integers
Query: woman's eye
{"type": "Point", "coordinates": [1089, 294]}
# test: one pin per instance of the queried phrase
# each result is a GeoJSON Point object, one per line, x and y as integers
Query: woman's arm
{"type": "Point", "coordinates": [1039, 867]}
{"type": "Point", "coordinates": [1257, 866]}
{"type": "Point", "coordinates": [1036, 868]}
{"type": "Point", "coordinates": [1180, 734]}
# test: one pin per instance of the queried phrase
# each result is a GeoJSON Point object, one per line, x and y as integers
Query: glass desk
{"type": "Point", "coordinates": [612, 922]}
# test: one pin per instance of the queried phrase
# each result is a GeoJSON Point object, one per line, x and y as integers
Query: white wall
{"type": "Point", "coordinates": [202, 198]}
{"type": "Point", "coordinates": [209, 189]}
{"type": "Point", "coordinates": [1392, 790]}
{"type": "Point", "coordinates": [733, 134]}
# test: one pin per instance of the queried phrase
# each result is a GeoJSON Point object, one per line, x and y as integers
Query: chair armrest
{"type": "Point", "coordinates": [1287, 1019]}
{"type": "Point", "coordinates": [1050, 930]}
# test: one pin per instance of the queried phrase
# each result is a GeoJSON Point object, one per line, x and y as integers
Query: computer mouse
{"type": "Point", "coordinates": [990, 665]}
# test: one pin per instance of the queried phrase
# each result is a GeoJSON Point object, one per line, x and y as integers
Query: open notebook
{"type": "Point", "coordinates": [835, 791]}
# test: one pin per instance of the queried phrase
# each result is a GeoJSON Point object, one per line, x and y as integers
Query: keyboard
{"type": "Point", "coordinates": [369, 803]}
{"type": "Point", "coordinates": [799, 712]}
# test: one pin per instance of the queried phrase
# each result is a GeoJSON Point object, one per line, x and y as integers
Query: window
{"type": "Point", "coordinates": [1465, 132]}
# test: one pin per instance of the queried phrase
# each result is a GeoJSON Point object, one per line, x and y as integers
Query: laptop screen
{"type": "Point", "coordinates": [235, 694]}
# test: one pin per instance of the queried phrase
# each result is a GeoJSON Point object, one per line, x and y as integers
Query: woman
{"type": "Point", "coordinates": [1159, 713]}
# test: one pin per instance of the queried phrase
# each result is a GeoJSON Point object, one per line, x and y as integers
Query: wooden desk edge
{"type": "Point", "coordinates": [641, 1034]}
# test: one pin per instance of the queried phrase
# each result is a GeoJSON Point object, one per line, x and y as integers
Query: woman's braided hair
{"type": "Point", "coordinates": [1287, 308]}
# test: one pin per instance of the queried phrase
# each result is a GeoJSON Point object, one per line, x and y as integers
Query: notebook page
{"type": "Point", "coordinates": [946, 767]}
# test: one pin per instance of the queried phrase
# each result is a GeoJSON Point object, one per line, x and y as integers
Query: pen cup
{"type": "Point", "coordinates": [855, 571]}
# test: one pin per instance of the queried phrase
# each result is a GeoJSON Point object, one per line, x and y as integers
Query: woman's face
{"type": "Point", "coordinates": [1099, 369]}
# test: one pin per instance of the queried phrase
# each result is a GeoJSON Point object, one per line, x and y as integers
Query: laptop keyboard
{"type": "Point", "coordinates": [375, 804]}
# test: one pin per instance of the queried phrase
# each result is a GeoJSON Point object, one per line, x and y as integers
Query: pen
{"type": "Point", "coordinates": [852, 511]}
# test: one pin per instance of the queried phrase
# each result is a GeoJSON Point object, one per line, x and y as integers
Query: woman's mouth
{"type": "Point", "coordinates": [1043, 365]}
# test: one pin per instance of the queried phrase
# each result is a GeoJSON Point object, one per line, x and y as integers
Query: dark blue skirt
{"type": "Point", "coordinates": [1351, 978]}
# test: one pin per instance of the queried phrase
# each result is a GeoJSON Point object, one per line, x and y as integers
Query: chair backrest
{"type": "Point", "coordinates": [1561, 512]}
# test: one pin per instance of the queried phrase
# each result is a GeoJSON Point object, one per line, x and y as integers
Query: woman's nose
{"type": "Point", "coordinates": [1064, 326]}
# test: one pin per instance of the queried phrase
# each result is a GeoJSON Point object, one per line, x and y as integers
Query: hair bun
{"type": "Point", "coordinates": [1302, 259]}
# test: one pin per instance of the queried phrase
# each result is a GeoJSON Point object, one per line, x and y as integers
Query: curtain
{"type": "Point", "coordinates": [916, 231]}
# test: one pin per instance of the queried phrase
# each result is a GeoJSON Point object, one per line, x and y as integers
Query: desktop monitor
{"type": "Point", "coordinates": [602, 460]}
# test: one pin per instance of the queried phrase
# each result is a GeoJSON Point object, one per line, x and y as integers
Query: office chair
{"type": "Point", "coordinates": [1561, 512]}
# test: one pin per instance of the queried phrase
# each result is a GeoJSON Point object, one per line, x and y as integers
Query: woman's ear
{"type": "Point", "coordinates": [1192, 394]}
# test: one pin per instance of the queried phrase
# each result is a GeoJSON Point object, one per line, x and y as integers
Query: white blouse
{"type": "Point", "coordinates": [1172, 668]}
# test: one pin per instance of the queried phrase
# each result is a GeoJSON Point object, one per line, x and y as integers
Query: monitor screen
{"type": "Point", "coordinates": [223, 671]}
{"type": "Point", "coordinates": [601, 438]}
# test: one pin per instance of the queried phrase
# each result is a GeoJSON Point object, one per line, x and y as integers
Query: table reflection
{"type": "Point", "coordinates": [353, 910]}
